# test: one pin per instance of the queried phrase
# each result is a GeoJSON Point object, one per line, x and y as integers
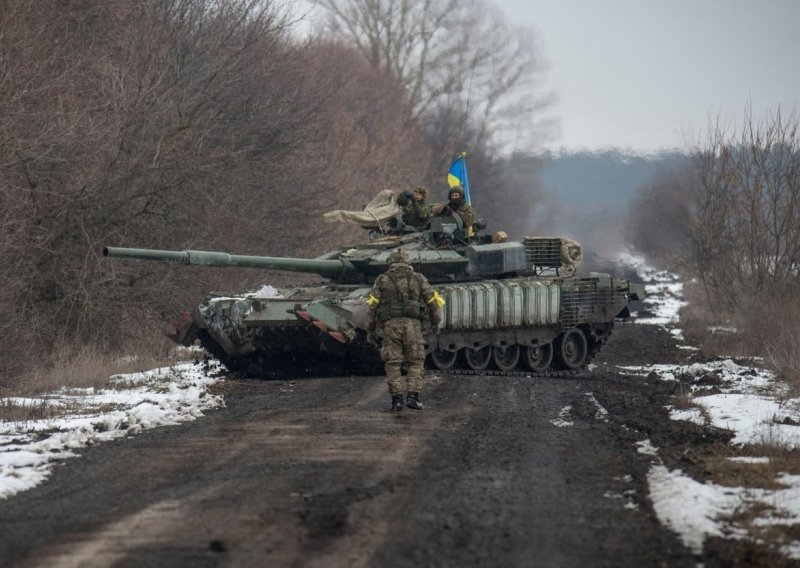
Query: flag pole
{"type": "Point", "coordinates": [466, 179]}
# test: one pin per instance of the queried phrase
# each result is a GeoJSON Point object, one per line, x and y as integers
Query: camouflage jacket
{"type": "Point", "coordinates": [465, 212]}
{"type": "Point", "coordinates": [416, 214]}
{"type": "Point", "coordinates": [401, 292]}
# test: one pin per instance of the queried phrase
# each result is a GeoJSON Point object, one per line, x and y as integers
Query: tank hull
{"type": "Point", "coordinates": [509, 305]}
{"type": "Point", "coordinates": [502, 324]}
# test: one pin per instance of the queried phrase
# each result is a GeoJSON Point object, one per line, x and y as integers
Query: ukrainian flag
{"type": "Point", "coordinates": [458, 175]}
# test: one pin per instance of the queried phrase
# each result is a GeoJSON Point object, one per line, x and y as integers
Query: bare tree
{"type": "Point", "coordinates": [745, 230]}
{"type": "Point", "coordinates": [455, 54]}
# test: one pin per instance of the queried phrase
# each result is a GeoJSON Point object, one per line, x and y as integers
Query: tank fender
{"type": "Point", "coordinates": [637, 291]}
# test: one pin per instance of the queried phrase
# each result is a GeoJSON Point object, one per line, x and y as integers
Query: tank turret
{"type": "Point", "coordinates": [439, 259]}
{"type": "Point", "coordinates": [511, 305]}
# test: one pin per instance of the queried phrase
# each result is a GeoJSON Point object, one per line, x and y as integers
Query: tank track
{"type": "Point", "coordinates": [549, 374]}
{"type": "Point", "coordinates": [281, 364]}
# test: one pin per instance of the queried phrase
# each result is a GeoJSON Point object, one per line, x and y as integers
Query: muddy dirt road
{"type": "Point", "coordinates": [495, 472]}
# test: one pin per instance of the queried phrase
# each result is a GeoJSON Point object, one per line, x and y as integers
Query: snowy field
{"type": "Point", "coordinates": [749, 402]}
{"type": "Point", "coordinates": [134, 402]}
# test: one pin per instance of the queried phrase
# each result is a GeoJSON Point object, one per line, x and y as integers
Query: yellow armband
{"type": "Point", "coordinates": [436, 298]}
{"type": "Point", "coordinates": [372, 300]}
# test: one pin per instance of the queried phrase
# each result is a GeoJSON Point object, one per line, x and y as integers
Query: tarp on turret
{"type": "Point", "coordinates": [377, 212]}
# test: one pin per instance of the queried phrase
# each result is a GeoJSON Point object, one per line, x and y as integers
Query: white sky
{"type": "Point", "coordinates": [648, 74]}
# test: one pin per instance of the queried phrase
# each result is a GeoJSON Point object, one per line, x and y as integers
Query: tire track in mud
{"type": "Point", "coordinates": [525, 492]}
{"type": "Point", "coordinates": [282, 481]}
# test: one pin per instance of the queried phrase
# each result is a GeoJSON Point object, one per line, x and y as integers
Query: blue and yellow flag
{"type": "Point", "coordinates": [458, 175]}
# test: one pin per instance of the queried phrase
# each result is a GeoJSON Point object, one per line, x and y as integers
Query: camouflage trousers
{"type": "Point", "coordinates": [402, 341]}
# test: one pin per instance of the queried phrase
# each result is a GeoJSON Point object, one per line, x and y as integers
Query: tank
{"type": "Point", "coordinates": [512, 305]}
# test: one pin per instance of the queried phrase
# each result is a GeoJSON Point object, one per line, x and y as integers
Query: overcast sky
{"type": "Point", "coordinates": [648, 74]}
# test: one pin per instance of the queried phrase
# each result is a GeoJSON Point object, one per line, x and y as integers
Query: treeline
{"type": "Point", "coordinates": [732, 222]}
{"type": "Point", "coordinates": [177, 124]}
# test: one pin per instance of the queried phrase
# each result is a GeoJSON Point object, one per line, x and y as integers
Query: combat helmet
{"type": "Point", "coordinates": [397, 255]}
{"type": "Point", "coordinates": [456, 189]}
{"type": "Point", "coordinates": [421, 189]}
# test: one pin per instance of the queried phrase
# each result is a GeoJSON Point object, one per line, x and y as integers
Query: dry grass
{"type": "Point", "coordinates": [82, 369]}
{"type": "Point", "coordinates": [778, 534]}
{"type": "Point", "coordinates": [768, 327]}
{"type": "Point", "coordinates": [78, 367]}
{"type": "Point", "coordinates": [685, 401]}
{"type": "Point", "coordinates": [723, 471]}
{"type": "Point", "coordinates": [763, 475]}
{"type": "Point", "coordinates": [777, 323]}
{"type": "Point", "coordinates": [699, 319]}
{"type": "Point", "coordinates": [772, 536]}
{"type": "Point", "coordinates": [11, 411]}
{"type": "Point", "coordinates": [83, 366]}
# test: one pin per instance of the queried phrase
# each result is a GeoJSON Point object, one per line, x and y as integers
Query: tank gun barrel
{"type": "Point", "coordinates": [324, 267]}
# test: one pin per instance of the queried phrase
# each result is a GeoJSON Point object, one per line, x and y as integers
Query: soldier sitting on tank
{"type": "Point", "coordinates": [458, 206]}
{"type": "Point", "coordinates": [400, 300]}
{"type": "Point", "coordinates": [415, 211]}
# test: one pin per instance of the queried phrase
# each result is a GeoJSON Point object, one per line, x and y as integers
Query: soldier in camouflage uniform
{"type": "Point", "coordinates": [400, 300]}
{"type": "Point", "coordinates": [457, 205]}
{"type": "Point", "coordinates": [415, 211]}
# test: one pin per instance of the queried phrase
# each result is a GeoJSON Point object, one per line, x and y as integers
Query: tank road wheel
{"type": "Point", "coordinates": [573, 349]}
{"type": "Point", "coordinates": [443, 360]}
{"type": "Point", "coordinates": [506, 358]}
{"type": "Point", "coordinates": [478, 359]}
{"type": "Point", "coordinates": [538, 358]}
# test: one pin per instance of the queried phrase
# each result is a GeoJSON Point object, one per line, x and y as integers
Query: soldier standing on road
{"type": "Point", "coordinates": [415, 211]}
{"type": "Point", "coordinates": [400, 300]}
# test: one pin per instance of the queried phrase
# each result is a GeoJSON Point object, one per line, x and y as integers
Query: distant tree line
{"type": "Point", "coordinates": [207, 124]}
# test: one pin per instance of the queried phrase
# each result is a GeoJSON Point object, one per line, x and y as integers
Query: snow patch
{"type": "Point", "coordinates": [745, 399]}
{"type": "Point", "coordinates": [646, 447]}
{"type": "Point", "coordinates": [754, 419]}
{"type": "Point", "coordinates": [688, 507]}
{"type": "Point", "coordinates": [749, 459]}
{"type": "Point", "coordinates": [689, 415]}
{"type": "Point", "coordinates": [563, 418]}
{"type": "Point", "coordinates": [161, 397]}
{"type": "Point", "coordinates": [600, 412]}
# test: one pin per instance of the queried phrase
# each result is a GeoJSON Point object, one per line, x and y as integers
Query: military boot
{"type": "Point", "coordinates": [397, 402]}
{"type": "Point", "coordinates": [412, 401]}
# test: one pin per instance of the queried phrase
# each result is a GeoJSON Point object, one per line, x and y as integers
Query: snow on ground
{"type": "Point", "coordinates": [564, 418]}
{"type": "Point", "coordinates": [134, 402]}
{"type": "Point", "coordinates": [664, 292]}
{"type": "Point", "coordinates": [745, 399]}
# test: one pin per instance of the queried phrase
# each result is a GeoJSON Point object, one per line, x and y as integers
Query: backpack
{"type": "Point", "coordinates": [402, 302]}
